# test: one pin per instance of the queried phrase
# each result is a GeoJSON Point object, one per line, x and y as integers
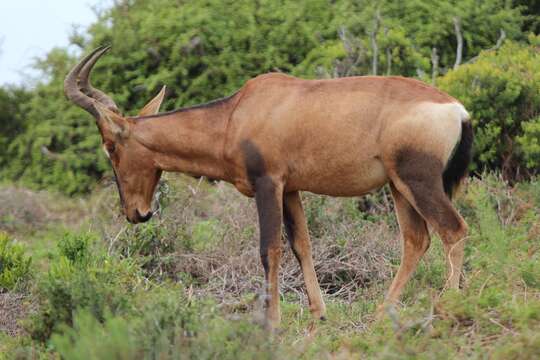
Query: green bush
{"type": "Point", "coordinates": [501, 90]}
{"type": "Point", "coordinates": [207, 49]}
{"type": "Point", "coordinates": [90, 339]}
{"type": "Point", "coordinates": [150, 245]}
{"type": "Point", "coordinates": [14, 264]}
{"type": "Point", "coordinates": [205, 235]}
{"type": "Point", "coordinates": [75, 247]}
{"type": "Point", "coordinates": [81, 278]}
{"type": "Point", "coordinates": [12, 118]}
{"type": "Point", "coordinates": [167, 326]}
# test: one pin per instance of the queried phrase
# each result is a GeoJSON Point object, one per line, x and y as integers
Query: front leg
{"type": "Point", "coordinates": [298, 235]}
{"type": "Point", "coordinates": [268, 195]}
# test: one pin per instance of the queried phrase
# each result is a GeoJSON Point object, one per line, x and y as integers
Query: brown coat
{"type": "Point", "coordinates": [279, 135]}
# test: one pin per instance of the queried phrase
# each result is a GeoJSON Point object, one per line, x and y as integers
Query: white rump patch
{"type": "Point", "coordinates": [436, 127]}
{"type": "Point", "coordinates": [463, 112]}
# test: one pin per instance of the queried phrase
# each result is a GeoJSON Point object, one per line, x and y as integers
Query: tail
{"type": "Point", "coordinates": [458, 164]}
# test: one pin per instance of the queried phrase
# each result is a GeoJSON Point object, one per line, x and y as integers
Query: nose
{"type": "Point", "coordinates": [143, 218]}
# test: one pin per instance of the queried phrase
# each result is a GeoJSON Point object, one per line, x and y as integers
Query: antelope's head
{"type": "Point", "coordinates": [136, 172]}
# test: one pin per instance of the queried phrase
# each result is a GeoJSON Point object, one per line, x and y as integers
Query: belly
{"type": "Point", "coordinates": [350, 178]}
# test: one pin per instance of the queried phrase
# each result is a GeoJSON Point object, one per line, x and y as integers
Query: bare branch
{"type": "Point", "coordinates": [48, 153]}
{"type": "Point", "coordinates": [388, 55]}
{"type": "Point", "coordinates": [459, 38]}
{"type": "Point", "coordinates": [500, 40]}
{"type": "Point", "coordinates": [434, 64]}
{"type": "Point", "coordinates": [355, 54]}
{"type": "Point", "coordinates": [373, 39]}
{"type": "Point", "coordinates": [499, 43]}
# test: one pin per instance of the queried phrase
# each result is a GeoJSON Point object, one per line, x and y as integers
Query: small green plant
{"type": "Point", "coordinates": [149, 245]}
{"type": "Point", "coordinates": [14, 264]}
{"type": "Point", "coordinates": [167, 326]}
{"type": "Point", "coordinates": [75, 247]}
{"type": "Point", "coordinates": [205, 235]}
{"type": "Point", "coordinates": [81, 278]}
{"type": "Point", "coordinates": [114, 337]}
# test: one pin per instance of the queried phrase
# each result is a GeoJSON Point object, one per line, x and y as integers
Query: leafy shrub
{"type": "Point", "coordinates": [501, 90]}
{"type": "Point", "coordinates": [150, 245]}
{"type": "Point", "coordinates": [81, 279]}
{"type": "Point", "coordinates": [530, 141]}
{"type": "Point", "coordinates": [14, 264]}
{"type": "Point", "coordinates": [12, 117]}
{"type": "Point", "coordinates": [75, 247]}
{"type": "Point", "coordinates": [89, 339]}
{"type": "Point", "coordinates": [168, 326]}
{"type": "Point", "coordinates": [207, 49]}
{"type": "Point", "coordinates": [205, 235]}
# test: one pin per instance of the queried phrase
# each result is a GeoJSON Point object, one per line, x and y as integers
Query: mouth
{"type": "Point", "coordinates": [140, 218]}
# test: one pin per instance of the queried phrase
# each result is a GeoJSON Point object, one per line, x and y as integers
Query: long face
{"type": "Point", "coordinates": [136, 172]}
{"type": "Point", "coordinates": [136, 176]}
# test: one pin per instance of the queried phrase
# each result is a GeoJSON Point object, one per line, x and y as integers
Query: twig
{"type": "Point", "coordinates": [373, 39]}
{"type": "Point", "coordinates": [459, 38]}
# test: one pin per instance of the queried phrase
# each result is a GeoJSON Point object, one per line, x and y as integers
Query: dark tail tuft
{"type": "Point", "coordinates": [457, 166]}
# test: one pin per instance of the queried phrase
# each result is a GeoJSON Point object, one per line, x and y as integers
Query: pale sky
{"type": "Point", "coordinates": [30, 28]}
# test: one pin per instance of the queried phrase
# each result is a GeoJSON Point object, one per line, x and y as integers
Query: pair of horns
{"type": "Point", "coordinates": [77, 85]}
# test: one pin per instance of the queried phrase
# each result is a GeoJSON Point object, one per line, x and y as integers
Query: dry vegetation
{"type": "Point", "coordinates": [201, 252]}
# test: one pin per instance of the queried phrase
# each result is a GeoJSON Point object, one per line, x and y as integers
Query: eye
{"type": "Point", "coordinates": [110, 147]}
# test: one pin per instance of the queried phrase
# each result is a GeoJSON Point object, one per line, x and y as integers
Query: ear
{"type": "Point", "coordinates": [111, 122]}
{"type": "Point", "coordinates": [153, 105]}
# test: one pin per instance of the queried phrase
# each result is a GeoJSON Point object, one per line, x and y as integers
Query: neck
{"type": "Point", "coordinates": [189, 140]}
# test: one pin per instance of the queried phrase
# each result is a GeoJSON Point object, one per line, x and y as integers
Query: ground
{"type": "Point", "coordinates": [190, 281]}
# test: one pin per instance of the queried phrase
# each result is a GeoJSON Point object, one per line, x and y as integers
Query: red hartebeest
{"type": "Point", "coordinates": [279, 135]}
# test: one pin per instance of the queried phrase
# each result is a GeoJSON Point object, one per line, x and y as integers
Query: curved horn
{"type": "Point", "coordinates": [86, 87]}
{"type": "Point", "coordinates": [72, 90]}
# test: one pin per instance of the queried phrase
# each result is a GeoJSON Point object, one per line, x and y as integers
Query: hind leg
{"type": "Point", "coordinates": [415, 243]}
{"type": "Point", "coordinates": [418, 177]}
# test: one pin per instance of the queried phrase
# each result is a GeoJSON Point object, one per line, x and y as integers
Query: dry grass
{"type": "Point", "coordinates": [25, 210]}
{"type": "Point", "coordinates": [349, 253]}
{"type": "Point", "coordinates": [14, 307]}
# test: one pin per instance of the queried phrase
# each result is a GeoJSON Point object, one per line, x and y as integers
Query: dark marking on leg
{"type": "Point", "coordinates": [269, 217]}
{"type": "Point", "coordinates": [254, 161]}
{"type": "Point", "coordinates": [268, 197]}
{"type": "Point", "coordinates": [270, 213]}
{"type": "Point", "coordinates": [422, 173]}
{"type": "Point", "coordinates": [419, 178]}
{"type": "Point", "coordinates": [264, 197]}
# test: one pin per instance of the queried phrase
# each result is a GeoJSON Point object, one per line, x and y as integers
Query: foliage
{"type": "Point", "coordinates": [186, 284]}
{"type": "Point", "coordinates": [207, 49]}
{"type": "Point", "coordinates": [501, 90]}
{"type": "Point", "coordinates": [79, 342]}
{"type": "Point", "coordinates": [151, 244]}
{"type": "Point", "coordinates": [406, 33]}
{"type": "Point", "coordinates": [14, 264]}
{"type": "Point", "coordinates": [12, 117]}
{"type": "Point", "coordinates": [75, 248]}
{"type": "Point", "coordinates": [168, 327]}
{"type": "Point", "coordinates": [78, 279]}
{"type": "Point", "coordinates": [59, 149]}
{"type": "Point", "coordinates": [95, 293]}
